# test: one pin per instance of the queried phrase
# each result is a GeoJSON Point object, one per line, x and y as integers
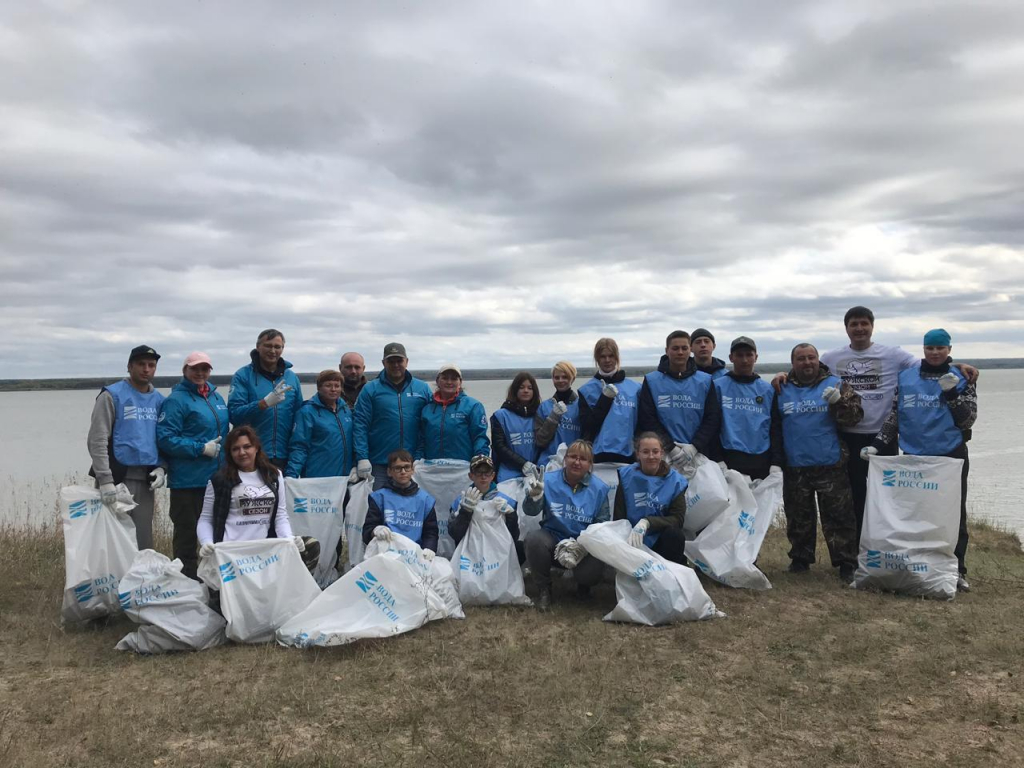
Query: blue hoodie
{"type": "Point", "coordinates": [457, 430]}
{"type": "Point", "coordinates": [388, 417]}
{"type": "Point", "coordinates": [274, 425]}
{"type": "Point", "coordinates": [321, 444]}
{"type": "Point", "coordinates": [186, 423]}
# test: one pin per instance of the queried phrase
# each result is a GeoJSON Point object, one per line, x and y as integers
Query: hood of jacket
{"type": "Point", "coordinates": [187, 386]}
{"type": "Point", "coordinates": [568, 396]}
{"type": "Point", "coordinates": [410, 490]}
{"type": "Point", "coordinates": [665, 367]}
{"type": "Point", "coordinates": [518, 409]}
{"type": "Point", "coordinates": [282, 366]}
{"type": "Point", "coordinates": [382, 377]}
{"type": "Point", "coordinates": [717, 364]}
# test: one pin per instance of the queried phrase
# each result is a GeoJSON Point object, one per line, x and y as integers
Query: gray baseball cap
{"type": "Point", "coordinates": [743, 341]}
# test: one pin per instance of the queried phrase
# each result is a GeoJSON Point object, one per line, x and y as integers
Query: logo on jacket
{"type": "Point", "coordinates": [678, 400]}
{"type": "Point", "coordinates": [742, 403]}
{"type": "Point", "coordinates": [520, 438]}
{"type": "Point", "coordinates": [644, 499]}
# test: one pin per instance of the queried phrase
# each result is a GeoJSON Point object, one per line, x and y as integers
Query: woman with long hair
{"type": "Point", "coordinates": [512, 439]}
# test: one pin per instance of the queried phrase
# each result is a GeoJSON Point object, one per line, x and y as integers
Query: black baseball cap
{"type": "Point", "coordinates": [394, 349]}
{"type": "Point", "coordinates": [743, 341]}
{"type": "Point", "coordinates": [143, 350]}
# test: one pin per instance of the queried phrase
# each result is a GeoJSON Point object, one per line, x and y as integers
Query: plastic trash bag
{"type": "Point", "coordinates": [650, 589]}
{"type": "Point", "coordinates": [515, 489]}
{"type": "Point", "coordinates": [487, 568]}
{"type": "Point", "coordinates": [609, 472]}
{"type": "Point", "coordinates": [315, 509]}
{"type": "Point", "coordinates": [444, 479]}
{"type": "Point", "coordinates": [911, 524]}
{"type": "Point", "coordinates": [262, 584]}
{"type": "Point", "coordinates": [437, 573]}
{"type": "Point", "coordinates": [727, 548]}
{"type": "Point", "coordinates": [355, 517]}
{"type": "Point", "coordinates": [99, 547]}
{"type": "Point", "coordinates": [707, 494]}
{"type": "Point", "coordinates": [380, 597]}
{"type": "Point", "coordinates": [172, 608]}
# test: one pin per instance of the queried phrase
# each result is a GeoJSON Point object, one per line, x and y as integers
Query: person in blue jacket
{"type": "Point", "coordinates": [401, 506]}
{"type": "Point", "coordinates": [679, 404]}
{"type": "Point", "coordinates": [512, 440]}
{"type": "Point", "coordinates": [932, 415]}
{"type": "Point", "coordinates": [608, 406]}
{"type": "Point", "coordinates": [652, 496]}
{"type": "Point", "coordinates": [558, 418]}
{"type": "Point", "coordinates": [387, 415]}
{"type": "Point", "coordinates": [266, 395]}
{"type": "Point", "coordinates": [322, 442]}
{"type": "Point", "coordinates": [192, 423]}
{"type": "Point", "coordinates": [453, 425]}
{"type": "Point", "coordinates": [483, 488]}
{"type": "Point", "coordinates": [570, 499]}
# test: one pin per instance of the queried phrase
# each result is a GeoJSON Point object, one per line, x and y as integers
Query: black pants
{"type": "Point", "coordinates": [857, 471]}
{"type": "Point", "coordinates": [186, 506]}
{"type": "Point", "coordinates": [961, 542]}
{"type": "Point", "coordinates": [670, 545]}
{"type": "Point", "coordinates": [540, 555]}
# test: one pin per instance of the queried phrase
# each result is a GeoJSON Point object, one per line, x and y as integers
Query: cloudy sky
{"type": "Point", "coordinates": [502, 183]}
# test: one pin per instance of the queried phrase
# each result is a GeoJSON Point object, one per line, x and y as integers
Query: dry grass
{"type": "Point", "coordinates": [809, 673]}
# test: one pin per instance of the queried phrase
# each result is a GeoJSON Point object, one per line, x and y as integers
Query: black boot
{"type": "Point", "coordinates": [544, 599]}
{"type": "Point", "coordinates": [799, 566]}
{"type": "Point", "coordinates": [583, 591]}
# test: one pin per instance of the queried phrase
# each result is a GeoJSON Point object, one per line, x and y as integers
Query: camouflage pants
{"type": "Point", "coordinates": [831, 487]}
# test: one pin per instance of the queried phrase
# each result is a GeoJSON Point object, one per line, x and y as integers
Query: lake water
{"type": "Point", "coordinates": [43, 447]}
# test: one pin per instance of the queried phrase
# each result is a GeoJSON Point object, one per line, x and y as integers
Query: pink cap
{"type": "Point", "coordinates": [198, 358]}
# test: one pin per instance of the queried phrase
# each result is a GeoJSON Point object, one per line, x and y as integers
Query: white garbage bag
{"type": "Point", "coordinates": [557, 459]}
{"type": "Point", "coordinates": [444, 479]}
{"type": "Point", "coordinates": [262, 584]}
{"type": "Point", "coordinates": [488, 571]}
{"type": "Point", "coordinates": [380, 597]}
{"type": "Point", "coordinates": [355, 517]}
{"type": "Point", "coordinates": [172, 608]}
{"type": "Point", "coordinates": [650, 589]}
{"type": "Point", "coordinates": [515, 489]}
{"type": "Point", "coordinates": [436, 573]}
{"type": "Point", "coordinates": [315, 509]}
{"type": "Point", "coordinates": [99, 547]}
{"type": "Point", "coordinates": [727, 548]}
{"type": "Point", "coordinates": [609, 472]}
{"type": "Point", "coordinates": [707, 494]}
{"type": "Point", "coordinates": [911, 524]}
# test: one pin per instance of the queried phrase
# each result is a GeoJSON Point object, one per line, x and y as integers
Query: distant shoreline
{"type": "Point", "coordinates": [468, 374]}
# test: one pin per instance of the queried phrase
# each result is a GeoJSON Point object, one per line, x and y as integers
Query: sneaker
{"type": "Point", "coordinates": [962, 585]}
{"type": "Point", "coordinates": [544, 600]}
{"type": "Point", "coordinates": [583, 591]}
{"type": "Point", "coordinates": [846, 572]}
{"type": "Point", "coordinates": [799, 566]}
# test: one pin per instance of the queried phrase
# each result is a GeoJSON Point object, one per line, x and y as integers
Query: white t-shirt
{"type": "Point", "coordinates": [873, 373]}
{"type": "Point", "coordinates": [249, 515]}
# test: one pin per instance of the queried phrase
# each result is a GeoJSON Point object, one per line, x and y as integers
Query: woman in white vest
{"type": "Point", "coordinates": [652, 496]}
{"type": "Point", "coordinates": [608, 406]}
{"type": "Point", "coordinates": [512, 436]}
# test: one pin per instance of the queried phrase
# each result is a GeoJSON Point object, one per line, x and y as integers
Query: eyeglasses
{"type": "Point", "coordinates": [401, 468]}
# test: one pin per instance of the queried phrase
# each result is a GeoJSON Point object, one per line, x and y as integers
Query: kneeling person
{"type": "Point", "coordinates": [483, 488]}
{"type": "Point", "coordinates": [571, 499]}
{"type": "Point", "coordinates": [652, 496]}
{"type": "Point", "coordinates": [401, 507]}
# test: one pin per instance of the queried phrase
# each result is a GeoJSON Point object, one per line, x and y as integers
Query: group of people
{"type": "Point", "coordinates": [816, 425]}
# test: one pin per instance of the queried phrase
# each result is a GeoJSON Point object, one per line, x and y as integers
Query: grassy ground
{"type": "Point", "coordinates": [809, 673]}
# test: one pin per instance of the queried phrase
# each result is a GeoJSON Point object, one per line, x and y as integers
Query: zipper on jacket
{"type": "Point", "coordinates": [214, 412]}
{"type": "Point", "coordinates": [344, 442]}
{"type": "Point", "coordinates": [444, 411]}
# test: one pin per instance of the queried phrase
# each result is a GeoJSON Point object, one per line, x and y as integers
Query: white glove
{"type": "Point", "coordinates": [108, 495]}
{"type": "Point", "coordinates": [382, 534]}
{"type": "Point", "coordinates": [428, 555]}
{"type": "Point", "coordinates": [948, 381]}
{"type": "Point", "coordinates": [530, 469]}
{"type": "Point", "coordinates": [830, 395]}
{"type": "Point", "coordinates": [278, 394]}
{"type": "Point", "coordinates": [775, 470]}
{"type": "Point", "coordinates": [558, 410]}
{"type": "Point", "coordinates": [683, 453]}
{"type": "Point", "coordinates": [636, 536]}
{"type": "Point", "coordinates": [211, 449]}
{"type": "Point", "coordinates": [364, 469]}
{"type": "Point", "coordinates": [158, 478]}
{"type": "Point", "coordinates": [353, 476]}
{"type": "Point", "coordinates": [610, 390]}
{"type": "Point", "coordinates": [299, 543]}
{"type": "Point", "coordinates": [470, 499]}
{"type": "Point", "coordinates": [206, 550]}
{"type": "Point", "coordinates": [867, 452]}
{"type": "Point", "coordinates": [535, 488]}
{"type": "Point", "coordinates": [504, 507]}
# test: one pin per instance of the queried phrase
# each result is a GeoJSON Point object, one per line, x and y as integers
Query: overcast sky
{"type": "Point", "coordinates": [500, 184]}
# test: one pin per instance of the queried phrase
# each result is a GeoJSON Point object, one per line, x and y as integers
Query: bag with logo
{"type": "Point", "coordinates": [707, 495]}
{"type": "Point", "coordinates": [727, 548]}
{"type": "Point", "coordinates": [315, 509]}
{"type": "Point", "coordinates": [380, 597]}
{"type": "Point", "coordinates": [911, 524]}
{"type": "Point", "coordinates": [437, 573]}
{"type": "Point", "coordinates": [355, 517]}
{"type": "Point", "coordinates": [172, 608]}
{"type": "Point", "coordinates": [262, 584]}
{"type": "Point", "coordinates": [99, 547]}
{"type": "Point", "coordinates": [650, 589]}
{"type": "Point", "coordinates": [444, 479]}
{"type": "Point", "coordinates": [488, 568]}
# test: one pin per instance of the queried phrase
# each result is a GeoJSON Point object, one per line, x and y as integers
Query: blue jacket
{"type": "Point", "coordinates": [457, 430]}
{"type": "Point", "coordinates": [321, 444]}
{"type": "Point", "coordinates": [388, 418]}
{"type": "Point", "coordinates": [186, 423]}
{"type": "Point", "coordinates": [273, 425]}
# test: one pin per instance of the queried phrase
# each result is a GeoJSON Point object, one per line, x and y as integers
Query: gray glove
{"type": "Point", "coordinates": [530, 469]}
{"type": "Point", "coordinates": [558, 410]}
{"type": "Point", "coordinates": [382, 534]}
{"type": "Point", "coordinates": [470, 499]}
{"type": "Point", "coordinates": [610, 390]}
{"type": "Point", "coordinates": [683, 453]}
{"type": "Point", "coordinates": [211, 449]}
{"type": "Point", "coordinates": [504, 507]}
{"type": "Point", "coordinates": [206, 550]}
{"type": "Point", "coordinates": [299, 543]}
{"type": "Point", "coordinates": [428, 555]}
{"type": "Point", "coordinates": [948, 381]}
{"type": "Point", "coordinates": [867, 452]}
{"type": "Point", "coordinates": [157, 478]}
{"type": "Point", "coordinates": [636, 536]}
{"type": "Point", "coordinates": [535, 488]}
{"type": "Point", "coordinates": [830, 395]}
{"type": "Point", "coordinates": [108, 495]}
{"type": "Point", "coordinates": [278, 394]}
{"type": "Point", "coordinates": [364, 469]}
